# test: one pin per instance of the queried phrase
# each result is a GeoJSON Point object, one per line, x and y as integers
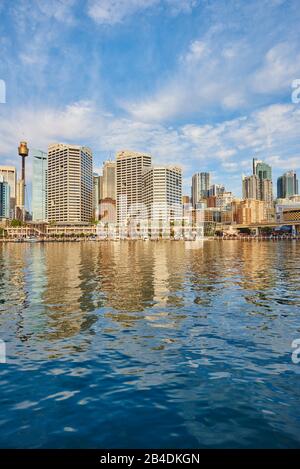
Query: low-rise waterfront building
{"type": "Point", "coordinates": [249, 211]}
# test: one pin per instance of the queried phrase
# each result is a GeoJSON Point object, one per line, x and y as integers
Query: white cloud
{"type": "Point", "coordinates": [226, 147]}
{"type": "Point", "coordinates": [116, 11]}
{"type": "Point", "coordinates": [216, 75]}
{"type": "Point", "coordinates": [280, 67]}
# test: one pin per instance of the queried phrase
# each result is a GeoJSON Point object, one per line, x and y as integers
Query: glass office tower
{"type": "Point", "coordinates": [4, 198]}
{"type": "Point", "coordinates": [287, 185]}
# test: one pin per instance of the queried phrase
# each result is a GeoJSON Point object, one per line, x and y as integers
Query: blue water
{"type": "Point", "coordinates": [150, 344]}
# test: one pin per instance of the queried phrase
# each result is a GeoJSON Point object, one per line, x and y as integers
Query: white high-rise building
{"type": "Point", "coordinates": [70, 184]}
{"type": "Point", "coordinates": [162, 191]}
{"type": "Point", "coordinates": [129, 169]}
{"type": "Point", "coordinates": [39, 185]}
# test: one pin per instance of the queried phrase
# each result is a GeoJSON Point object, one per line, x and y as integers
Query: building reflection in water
{"type": "Point", "coordinates": [139, 298]}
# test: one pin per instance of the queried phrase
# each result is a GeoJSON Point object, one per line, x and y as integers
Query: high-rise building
{"type": "Point", "coordinates": [200, 187]}
{"type": "Point", "coordinates": [263, 172]}
{"type": "Point", "coordinates": [287, 185]}
{"type": "Point", "coordinates": [266, 190]}
{"type": "Point", "coordinates": [186, 199]}
{"type": "Point", "coordinates": [9, 174]}
{"type": "Point", "coordinates": [129, 169]}
{"type": "Point", "coordinates": [4, 198]}
{"type": "Point", "coordinates": [96, 195]}
{"type": "Point", "coordinates": [250, 187]}
{"type": "Point", "coordinates": [216, 189]}
{"type": "Point", "coordinates": [70, 184]}
{"type": "Point", "coordinates": [100, 187]}
{"type": "Point", "coordinates": [162, 191]}
{"type": "Point", "coordinates": [109, 180]}
{"type": "Point", "coordinates": [20, 196]}
{"type": "Point", "coordinates": [259, 185]}
{"type": "Point", "coordinates": [39, 185]}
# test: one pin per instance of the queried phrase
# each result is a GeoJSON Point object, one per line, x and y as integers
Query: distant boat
{"type": "Point", "coordinates": [31, 240]}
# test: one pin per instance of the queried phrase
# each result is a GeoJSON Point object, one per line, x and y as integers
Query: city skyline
{"type": "Point", "coordinates": [239, 106]}
{"type": "Point", "coordinates": [110, 184]}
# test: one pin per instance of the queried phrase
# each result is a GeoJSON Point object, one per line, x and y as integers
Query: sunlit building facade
{"type": "Point", "coordinates": [162, 191]}
{"type": "Point", "coordinates": [70, 184]}
{"type": "Point", "coordinates": [129, 169]}
{"type": "Point", "coordinates": [39, 185]}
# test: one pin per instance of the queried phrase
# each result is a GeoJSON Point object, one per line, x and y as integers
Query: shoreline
{"type": "Point", "coordinates": [78, 240]}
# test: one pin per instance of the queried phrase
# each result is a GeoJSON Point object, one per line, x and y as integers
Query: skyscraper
{"type": "Point", "coordinates": [96, 195]}
{"type": "Point", "coordinates": [4, 198]}
{"type": "Point", "coordinates": [162, 191]}
{"type": "Point", "coordinates": [287, 185]}
{"type": "Point", "coordinates": [39, 185]}
{"type": "Point", "coordinates": [216, 189]}
{"type": "Point", "coordinates": [70, 184]}
{"type": "Point", "coordinates": [9, 174]}
{"type": "Point", "coordinates": [109, 180]}
{"type": "Point", "coordinates": [129, 169]}
{"type": "Point", "coordinates": [259, 185]}
{"type": "Point", "coordinates": [263, 172]}
{"type": "Point", "coordinates": [200, 187]}
{"type": "Point", "coordinates": [250, 187]}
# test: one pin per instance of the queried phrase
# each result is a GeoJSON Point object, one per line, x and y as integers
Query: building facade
{"type": "Point", "coordinates": [9, 174]}
{"type": "Point", "coordinates": [4, 199]}
{"type": "Point", "coordinates": [216, 189]}
{"type": "Point", "coordinates": [39, 185]}
{"type": "Point", "coordinates": [96, 195]}
{"type": "Point", "coordinates": [109, 180]}
{"type": "Point", "coordinates": [129, 169]}
{"type": "Point", "coordinates": [250, 187]}
{"type": "Point", "coordinates": [162, 191]}
{"type": "Point", "coordinates": [263, 172]}
{"type": "Point", "coordinates": [249, 211]}
{"type": "Point", "coordinates": [287, 185]}
{"type": "Point", "coordinates": [200, 187]}
{"type": "Point", "coordinates": [70, 184]}
{"type": "Point", "coordinates": [259, 185]}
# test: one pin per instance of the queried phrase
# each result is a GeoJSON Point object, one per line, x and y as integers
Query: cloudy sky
{"type": "Point", "coordinates": [206, 84]}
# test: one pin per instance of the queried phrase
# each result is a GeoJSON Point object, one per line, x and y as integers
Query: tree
{"type": "Point", "coordinates": [15, 223]}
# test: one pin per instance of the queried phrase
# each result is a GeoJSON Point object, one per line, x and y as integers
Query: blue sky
{"type": "Point", "coordinates": [205, 84]}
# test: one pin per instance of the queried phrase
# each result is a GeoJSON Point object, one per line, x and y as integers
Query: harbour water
{"type": "Point", "coordinates": [150, 344]}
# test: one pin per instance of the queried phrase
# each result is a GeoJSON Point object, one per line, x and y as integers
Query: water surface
{"type": "Point", "coordinates": [150, 344]}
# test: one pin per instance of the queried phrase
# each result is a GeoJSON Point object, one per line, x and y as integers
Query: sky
{"type": "Point", "coordinates": [204, 84]}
